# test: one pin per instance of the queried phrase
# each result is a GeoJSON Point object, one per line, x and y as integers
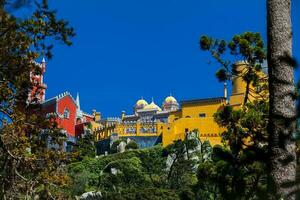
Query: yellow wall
{"type": "Point", "coordinates": [190, 120]}
{"type": "Point", "coordinates": [193, 110]}
{"type": "Point", "coordinates": [208, 130]}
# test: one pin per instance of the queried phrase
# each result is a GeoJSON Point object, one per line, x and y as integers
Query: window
{"type": "Point", "coordinates": [186, 130]}
{"type": "Point", "coordinates": [202, 115]}
{"type": "Point", "coordinates": [66, 113]}
{"type": "Point", "coordinates": [188, 117]}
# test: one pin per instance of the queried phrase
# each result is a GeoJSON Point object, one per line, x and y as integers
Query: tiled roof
{"type": "Point", "coordinates": [131, 118]}
{"type": "Point", "coordinates": [205, 100]}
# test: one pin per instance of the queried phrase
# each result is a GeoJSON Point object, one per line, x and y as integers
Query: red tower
{"type": "Point", "coordinates": [38, 90]}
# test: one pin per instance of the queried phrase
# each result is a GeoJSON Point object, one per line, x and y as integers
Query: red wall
{"type": "Point", "coordinates": [79, 129]}
{"type": "Point", "coordinates": [67, 124]}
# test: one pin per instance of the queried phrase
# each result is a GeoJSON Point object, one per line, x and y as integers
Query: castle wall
{"type": "Point", "coordinates": [67, 124]}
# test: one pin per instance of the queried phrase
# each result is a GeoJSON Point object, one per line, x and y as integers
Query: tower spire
{"type": "Point", "coordinates": [77, 101]}
{"type": "Point", "coordinates": [78, 110]}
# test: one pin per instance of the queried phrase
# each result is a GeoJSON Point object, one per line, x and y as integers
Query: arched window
{"type": "Point", "coordinates": [66, 113]}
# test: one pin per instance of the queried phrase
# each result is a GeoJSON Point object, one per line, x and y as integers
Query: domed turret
{"type": "Point", "coordinates": [140, 104]}
{"type": "Point", "coordinates": [170, 104]}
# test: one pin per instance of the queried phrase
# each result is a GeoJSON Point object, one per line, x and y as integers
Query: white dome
{"type": "Point", "coordinates": [170, 100]}
{"type": "Point", "coordinates": [140, 104]}
{"type": "Point", "coordinates": [152, 105]}
{"type": "Point", "coordinates": [170, 104]}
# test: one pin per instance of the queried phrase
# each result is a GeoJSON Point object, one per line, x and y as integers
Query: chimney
{"type": "Point", "coordinates": [97, 115]}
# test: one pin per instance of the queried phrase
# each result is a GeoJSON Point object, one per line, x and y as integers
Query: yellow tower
{"type": "Point", "coordinates": [238, 85]}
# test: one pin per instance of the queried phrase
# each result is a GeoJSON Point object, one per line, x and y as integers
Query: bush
{"type": "Point", "coordinates": [131, 145]}
{"type": "Point", "coordinates": [143, 194]}
{"type": "Point", "coordinates": [113, 148]}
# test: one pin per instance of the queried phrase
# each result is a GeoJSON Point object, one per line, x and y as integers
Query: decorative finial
{"type": "Point", "coordinates": [152, 100]}
{"type": "Point", "coordinates": [43, 60]}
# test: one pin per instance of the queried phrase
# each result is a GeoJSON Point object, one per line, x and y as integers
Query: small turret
{"type": "Point", "coordinates": [140, 104]}
{"type": "Point", "coordinates": [38, 90]}
{"type": "Point", "coordinates": [97, 115]}
{"type": "Point", "coordinates": [170, 104]}
{"type": "Point", "coordinates": [238, 84]}
{"type": "Point", "coordinates": [43, 65]}
{"type": "Point", "coordinates": [122, 114]}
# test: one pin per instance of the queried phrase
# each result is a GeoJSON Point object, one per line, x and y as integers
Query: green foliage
{"type": "Point", "coordinates": [143, 194]}
{"type": "Point", "coordinates": [116, 172]}
{"type": "Point", "coordinates": [131, 145]}
{"type": "Point", "coordinates": [154, 164]}
{"type": "Point", "coordinates": [247, 47]}
{"type": "Point", "coordinates": [181, 164]}
{"type": "Point", "coordinates": [85, 146]}
{"type": "Point", "coordinates": [152, 173]}
{"type": "Point", "coordinates": [27, 167]}
{"type": "Point", "coordinates": [237, 169]}
{"type": "Point", "coordinates": [228, 178]}
{"type": "Point", "coordinates": [114, 146]}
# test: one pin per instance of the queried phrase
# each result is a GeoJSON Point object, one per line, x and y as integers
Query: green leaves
{"type": "Point", "coordinates": [246, 48]}
{"type": "Point", "coordinates": [238, 169]}
{"type": "Point", "coordinates": [205, 43]}
{"type": "Point", "coordinates": [85, 146]}
{"type": "Point", "coordinates": [222, 75]}
{"type": "Point", "coordinates": [33, 168]}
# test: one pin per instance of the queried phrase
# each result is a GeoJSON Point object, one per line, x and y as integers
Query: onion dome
{"type": "Point", "coordinates": [170, 104]}
{"type": "Point", "coordinates": [170, 100]}
{"type": "Point", "coordinates": [140, 104]}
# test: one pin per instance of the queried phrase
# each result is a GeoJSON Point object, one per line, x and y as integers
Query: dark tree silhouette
{"type": "Point", "coordinates": [282, 126]}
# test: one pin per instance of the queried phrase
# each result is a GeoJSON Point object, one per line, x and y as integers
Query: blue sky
{"type": "Point", "coordinates": [127, 49]}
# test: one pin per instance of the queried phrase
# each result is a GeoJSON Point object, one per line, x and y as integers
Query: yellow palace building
{"type": "Point", "coordinates": [150, 124]}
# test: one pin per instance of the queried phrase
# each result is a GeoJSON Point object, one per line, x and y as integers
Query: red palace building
{"type": "Point", "coordinates": [64, 107]}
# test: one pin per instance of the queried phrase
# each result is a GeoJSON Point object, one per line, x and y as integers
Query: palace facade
{"type": "Point", "coordinates": [150, 124]}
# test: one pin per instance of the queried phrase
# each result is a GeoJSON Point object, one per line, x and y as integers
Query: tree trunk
{"type": "Point", "coordinates": [282, 147]}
